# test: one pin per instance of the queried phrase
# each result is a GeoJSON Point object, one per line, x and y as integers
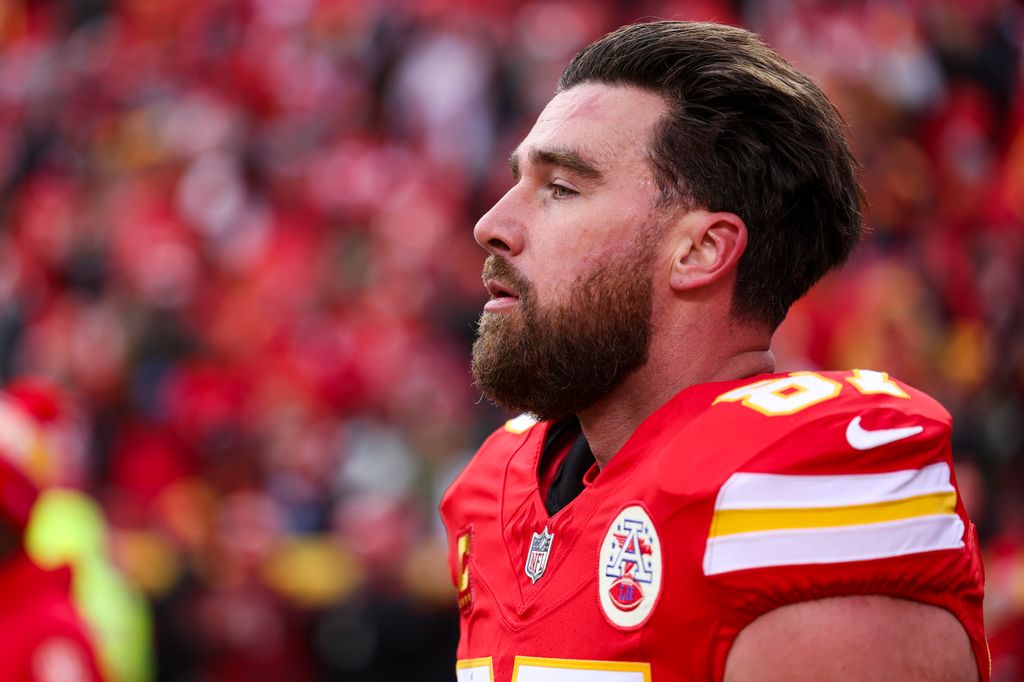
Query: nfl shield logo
{"type": "Point", "coordinates": [537, 559]}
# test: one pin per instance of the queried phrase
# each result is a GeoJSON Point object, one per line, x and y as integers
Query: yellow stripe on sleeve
{"type": "Point", "coordinates": [733, 521]}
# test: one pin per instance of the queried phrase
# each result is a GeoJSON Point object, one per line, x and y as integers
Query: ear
{"type": "Point", "coordinates": [709, 247]}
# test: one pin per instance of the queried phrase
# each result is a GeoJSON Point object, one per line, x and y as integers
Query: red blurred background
{"type": "Point", "coordinates": [236, 234]}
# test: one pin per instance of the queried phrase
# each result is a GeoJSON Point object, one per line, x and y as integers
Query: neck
{"type": "Point", "coordinates": [609, 423]}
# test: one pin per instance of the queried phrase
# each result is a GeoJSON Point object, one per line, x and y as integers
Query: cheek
{"type": "Point", "coordinates": [564, 253]}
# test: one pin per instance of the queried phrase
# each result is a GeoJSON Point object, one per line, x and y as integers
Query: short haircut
{"type": "Point", "coordinates": [748, 134]}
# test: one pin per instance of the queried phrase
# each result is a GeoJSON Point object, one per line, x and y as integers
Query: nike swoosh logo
{"type": "Point", "coordinates": [860, 438]}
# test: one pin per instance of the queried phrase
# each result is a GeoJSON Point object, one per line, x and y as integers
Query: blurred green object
{"type": "Point", "coordinates": [68, 527]}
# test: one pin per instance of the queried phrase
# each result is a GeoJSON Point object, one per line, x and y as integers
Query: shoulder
{"type": "Point", "coordinates": [800, 400]}
{"type": "Point", "coordinates": [835, 484]}
{"type": "Point", "coordinates": [851, 459]}
{"type": "Point", "coordinates": [487, 467]}
{"type": "Point", "coordinates": [504, 442]}
{"type": "Point", "coordinates": [797, 424]}
{"type": "Point", "coordinates": [813, 422]}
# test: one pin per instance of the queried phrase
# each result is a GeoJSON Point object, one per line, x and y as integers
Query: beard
{"type": "Point", "coordinates": [553, 361]}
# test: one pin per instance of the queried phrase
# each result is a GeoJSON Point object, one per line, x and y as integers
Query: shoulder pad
{"type": "Point", "coordinates": [806, 396]}
{"type": "Point", "coordinates": [807, 423]}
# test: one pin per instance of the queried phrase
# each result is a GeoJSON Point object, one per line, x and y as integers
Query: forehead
{"type": "Point", "coordinates": [610, 124]}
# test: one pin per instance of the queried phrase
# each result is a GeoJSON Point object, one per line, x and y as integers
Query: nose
{"type": "Point", "coordinates": [500, 230]}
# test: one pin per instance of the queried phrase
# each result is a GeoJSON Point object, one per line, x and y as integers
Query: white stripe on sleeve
{"type": "Point", "coordinates": [778, 491]}
{"type": "Point", "coordinates": [833, 544]}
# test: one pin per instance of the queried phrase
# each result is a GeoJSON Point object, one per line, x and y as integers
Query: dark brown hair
{"type": "Point", "coordinates": [746, 133]}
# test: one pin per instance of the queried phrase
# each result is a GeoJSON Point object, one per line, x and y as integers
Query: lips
{"type": "Point", "coordinates": [505, 286]}
{"type": "Point", "coordinates": [499, 290]}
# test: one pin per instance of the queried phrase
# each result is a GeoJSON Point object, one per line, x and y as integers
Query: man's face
{"type": "Point", "coordinates": [573, 248]}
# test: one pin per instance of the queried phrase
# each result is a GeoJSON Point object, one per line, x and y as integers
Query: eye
{"type": "Point", "coordinates": [561, 191]}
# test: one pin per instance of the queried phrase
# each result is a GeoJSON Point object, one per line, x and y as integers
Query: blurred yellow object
{"type": "Point", "coordinates": [426, 573]}
{"type": "Point", "coordinates": [68, 527]}
{"type": "Point", "coordinates": [312, 571]}
{"type": "Point", "coordinates": [149, 559]}
{"type": "Point", "coordinates": [12, 19]}
{"type": "Point", "coordinates": [966, 354]}
{"type": "Point", "coordinates": [186, 508]}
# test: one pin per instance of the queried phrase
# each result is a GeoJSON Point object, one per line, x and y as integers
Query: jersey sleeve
{"type": "Point", "coordinates": [856, 498]}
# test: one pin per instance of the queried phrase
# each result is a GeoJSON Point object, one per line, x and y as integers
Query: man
{"type": "Point", "coordinates": [672, 510]}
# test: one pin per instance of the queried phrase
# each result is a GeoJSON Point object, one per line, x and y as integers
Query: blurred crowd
{"type": "Point", "coordinates": [235, 246]}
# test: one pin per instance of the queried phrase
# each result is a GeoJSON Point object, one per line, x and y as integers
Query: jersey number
{"type": "Point", "coordinates": [798, 391]}
{"type": "Point", "coordinates": [530, 669]}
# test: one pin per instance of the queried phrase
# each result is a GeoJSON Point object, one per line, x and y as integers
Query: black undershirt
{"type": "Point", "coordinates": [568, 481]}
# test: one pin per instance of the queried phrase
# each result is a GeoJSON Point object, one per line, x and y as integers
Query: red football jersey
{"type": "Point", "coordinates": [42, 637]}
{"type": "Point", "coordinates": [730, 500]}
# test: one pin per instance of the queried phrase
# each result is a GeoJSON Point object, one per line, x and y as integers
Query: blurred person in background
{"type": "Point", "coordinates": [670, 507]}
{"type": "Point", "coordinates": [44, 636]}
{"type": "Point", "coordinates": [67, 531]}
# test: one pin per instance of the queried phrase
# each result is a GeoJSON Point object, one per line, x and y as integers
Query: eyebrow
{"type": "Point", "coordinates": [563, 157]}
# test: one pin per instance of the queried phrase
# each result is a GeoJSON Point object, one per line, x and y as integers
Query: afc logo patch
{"type": "Point", "coordinates": [629, 568]}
